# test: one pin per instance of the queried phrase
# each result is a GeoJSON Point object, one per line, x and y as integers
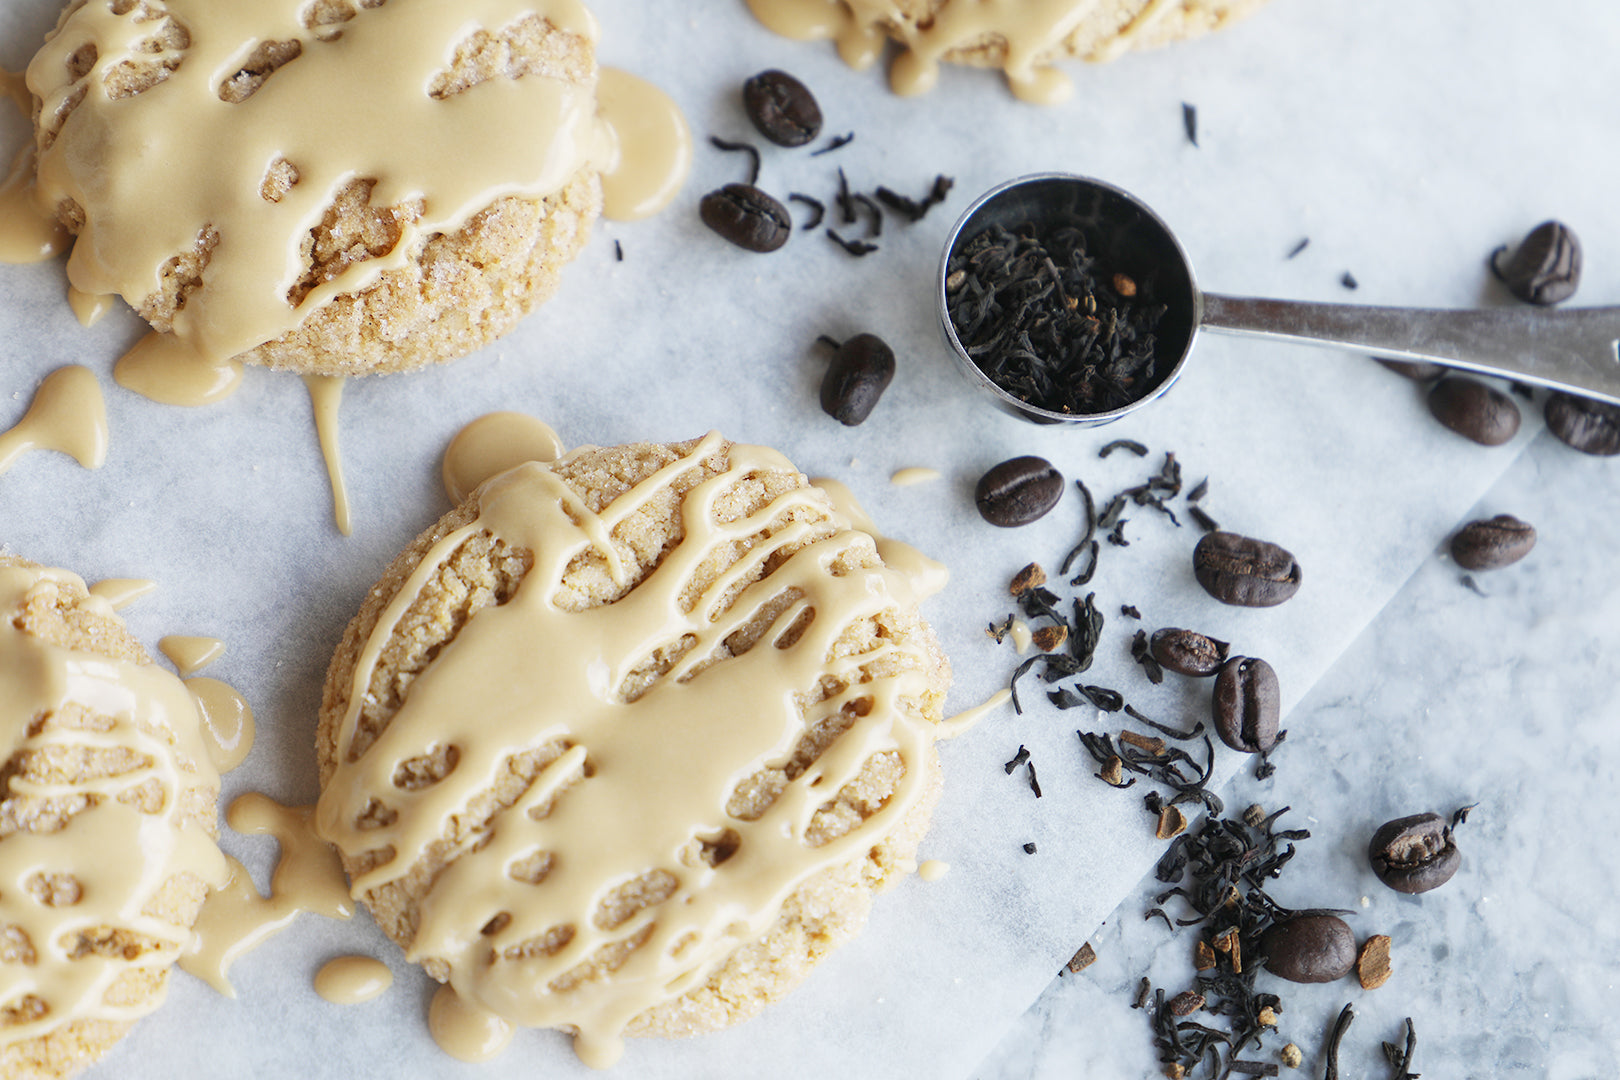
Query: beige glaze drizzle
{"type": "Point", "coordinates": [190, 655]}
{"type": "Point", "coordinates": [89, 308]}
{"type": "Point", "coordinates": [953, 726]}
{"type": "Point", "coordinates": [236, 920]}
{"type": "Point", "coordinates": [121, 592]}
{"type": "Point", "coordinates": [1032, 32]}
{"type": "Point", "coordinates": [325, 397]}
{"type": "Point", "coordinates": [933, 870]}
{"type": "Point", "coordinates": [491, 692]}
{"type": "Point", "coordinates": [112, 858]}
{"type": "Point", "coordinates": [492, 444]}
{"type": "Point", "coordinates": [466, 1032]}
{"type": "Point", "coordinates": [653, 141]}
{"type": "Point", "coordinates": [353, 980]}
{"type": "Point", "coordinates": [227, 722]}
{"type": "Point", "coordinates": [166, 369]}
{"type": "Point", "coordinates": [67, 414]}
{"type": "Point", "coordinates": [917, 474]}
{"type": "Point", "coordinates": [927, 576]}
{"type": "Point", "coordinates": [218, 152]}
{"type": "Point", "coordinates": [28, 233]}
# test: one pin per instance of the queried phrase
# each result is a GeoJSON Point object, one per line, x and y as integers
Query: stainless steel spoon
{"type": "Point", "coordinates": [1571, 349]}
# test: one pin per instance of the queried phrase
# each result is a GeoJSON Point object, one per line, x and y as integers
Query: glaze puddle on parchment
{"type": "Point", "coordinates": [67, 414]}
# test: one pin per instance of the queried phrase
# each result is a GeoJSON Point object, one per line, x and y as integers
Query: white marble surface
{"type": "Point", "coordinates": [1446, 699]}
{"type": "Point", "coordinates": [1404, 140]}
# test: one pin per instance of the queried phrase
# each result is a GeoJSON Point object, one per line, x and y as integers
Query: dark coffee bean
{"type": "Point", "coordinates": [1019, 491]}
{"type": "Point", "coordinates": [1247, 707]}
{"type": "Point", "coordinates": [1188, 653]}
{"type": "Point", "coordinates": [1547, 267]}
{"type": "Point", "coordinates": [782, 108]}
{"type": "Point", "coordinates": [1592, 427]}
{"type": "Point", "coordinates": [1493, 543]}
{"type": "Point", "coordinates": [1474, 411]}
{"type": "Point", "coordinates": [1414, 854]}
{"type": "Point", "coordinates": [1415, 372]}
{"type": "Point", "coordinates": [860, 371]}
{"type": "Point", "coordinates": [1310, 949]}
{"type": "Point", "coordinates": [1247, 573]}
{"type": "Point", "coordinates": [747, 217]}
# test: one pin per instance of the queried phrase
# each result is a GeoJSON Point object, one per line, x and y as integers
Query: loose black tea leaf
{"type": "Point", "coordinates": [1029, 848]}
{"type": "Point", "coordinates": [1336, 1036]}
{"type": "Point", "coordinates": [854, 247]}
{"type": "Point", "coordinates": [740, 148]}
{"type": "Point", "coordinates": [1013, 685]}
{"type": "Point", "coordinates": [1199, 491]}
{"type": "Point", "coordinates": [1103, 698]}
{"type": "Point", "coordinates": [618, 251]}
{"type": "Point", "coordinates": [1129, 611]}
{"type": "Point", "coordinates": [1304, 242]}
{"type": "Point", "coordinates": [1017, 760]}
{"type": "Point", "coordinates": [1400, 1058]}
{"type": "Point", "coordinates": [1468, 582]}
{"type": "Point", "coordinates": [818, 209]}
{"type": "Point", "coordinates": [1034, 781]}
{"type": "Point", "coordinates": [1037, 312]}
{"type": "Point", "coordinates": [1189, 122]}
{"type": "Point", "coordinates": [1205, 522]}
{"type": "Point", "coordinates": [837, 142]}
{"type": "Point", "coordinates": [1124, 444]}
{"type": "Point", "coordinates": [875, 211]}
{"type": "Point", "coordinates": [1349, 281]}
{"type": "Point", "coordinates": [915, 210]}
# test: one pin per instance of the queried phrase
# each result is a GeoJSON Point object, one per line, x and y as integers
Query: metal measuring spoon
{"type": "Point", "coordinates": [1573, 350]}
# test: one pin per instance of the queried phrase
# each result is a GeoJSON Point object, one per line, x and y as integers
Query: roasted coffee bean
{"type": "Point", "coordinates": [1547, 267]}
{"type": "Point", "coordinates": [860, 371]}
{"type": "Point", "coordinates": [1415, 372]}
{"type": "Point", "coordinates": [1247, 706]}
{"type": "Point", "coordinates": [1188, 653]}
{"type": "Point", "coordinates": [1414, 854]}
{"type": "Point", "coordinates": [1490, 544]}
{"type": "Point", "coordinates": [782, 108]}
{"type": "Point", "coordinates": [1592, 427]}
{"type": "Point", "coordinates": [747, 217]}
{"type": "Point", "coordinates": [1474, 410]}
{"type": "Point", "coordinates": [1310, 949]}
{"type": "Point", "coordinates": [1019, 491]}
{"type": "Point", "coordinates": [1247, 573]}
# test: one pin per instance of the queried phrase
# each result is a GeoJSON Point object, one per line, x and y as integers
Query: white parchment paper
{"type": "Point", "coordinates": [1405, 141]}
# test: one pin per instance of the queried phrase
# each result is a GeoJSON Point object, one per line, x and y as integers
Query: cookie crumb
{"type": "Point", "coordinates": [1372, 966]}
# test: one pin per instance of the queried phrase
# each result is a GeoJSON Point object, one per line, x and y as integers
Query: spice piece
{"type": "Point", "coordinates": [1148, 744]}
{"type": "Point", "coordinates": [1124, 285]}
{"type": "Point", "coordinates": [1030, 577]}
{"type": "Point", "coordinates": [1112, 772]}
{"type": "Point", "coordinates": [1172, 823]}
{"type": "Point", "coordinates": [1291, 1056]}
{"type": "Point", "coordinates": [1203, 956]}
{"type": "Point", "coordinates": [1186, 1003]}
{"type": "Point", "coordinates": [1048, 638]}
{"type": "Point", "coordinates": [1174, 1071]}
{"type": "Point", "coordinates": [1081, 960]}
{"type": "Point", "coordinates": [1267, 1016]}
{"type": "Point", "coordinates": [1372, 966]}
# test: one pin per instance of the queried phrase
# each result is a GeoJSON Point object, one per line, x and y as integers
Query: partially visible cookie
{"type": "Point", "coordinates": [626, 743]}
{"type": "Point", "coordinates": [1024, 40]}
{"type": "Point", "coordinates": [345, 201]}
{"type": "Point", "coordinates": [107, 824]}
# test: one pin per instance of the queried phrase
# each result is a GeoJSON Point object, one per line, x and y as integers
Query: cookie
{"type": "Point", "coordinates": [345, 201]}
{"type": "Point", "coordinates": [627, 742]}
{"type": "Point", "coordinates": [107, 824]}
{"type": "Point", "coordinates": [1023, 39]}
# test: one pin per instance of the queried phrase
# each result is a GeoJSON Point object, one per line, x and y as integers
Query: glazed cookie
{"type": "Point", "coordinates": [345, 201]}
{"type": "Point", "coordinates": [107, 824]}
{"type": "Point", "coordinates": [1022, 38]}
{"type": "Point", "coordinates": [626, 743]}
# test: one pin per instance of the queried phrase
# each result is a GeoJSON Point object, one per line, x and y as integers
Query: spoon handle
{"type": "Point", "coordinates": [1571, 349]}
